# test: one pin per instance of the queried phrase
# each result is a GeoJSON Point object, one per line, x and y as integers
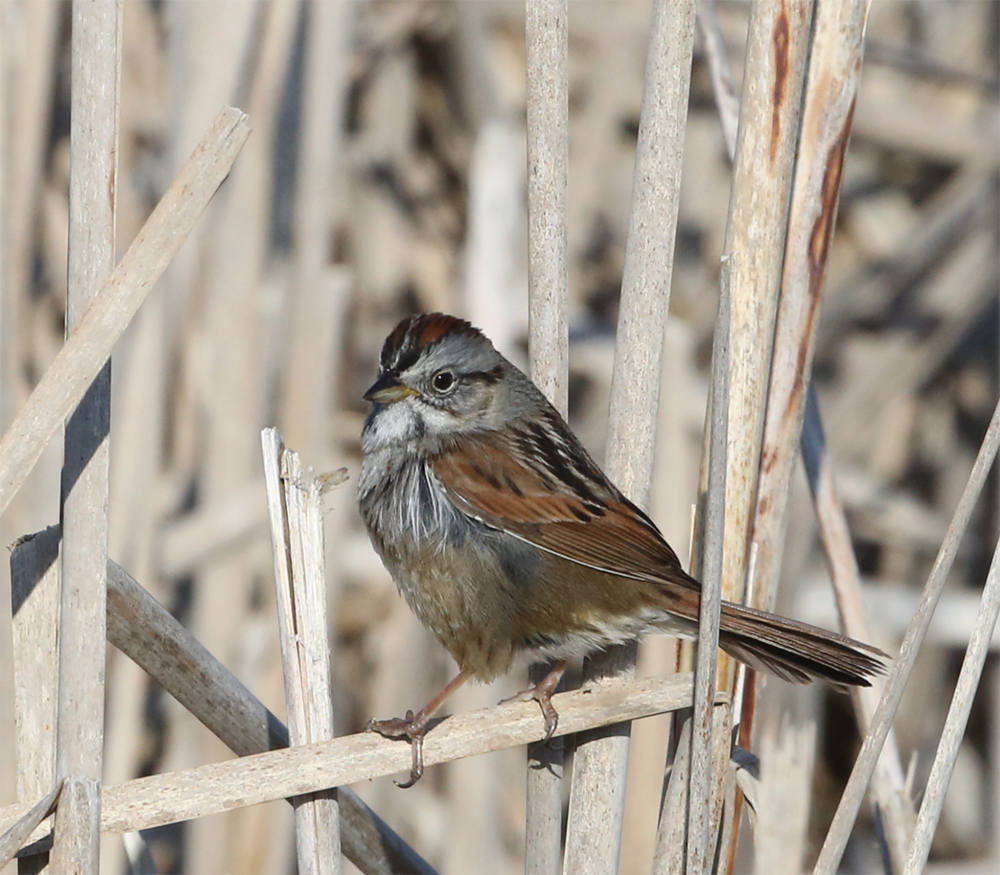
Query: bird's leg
{"type": "Point", "coordinates": [414, 727]}
{"type": "Point", "coordinates": [542, 693]}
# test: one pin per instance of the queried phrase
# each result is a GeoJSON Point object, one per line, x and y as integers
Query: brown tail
{"type": "Point", "coordinates": [796, 651]}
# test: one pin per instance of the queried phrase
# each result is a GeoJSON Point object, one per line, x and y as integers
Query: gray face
{"type": "Point", "coordinates": [442, 377]}
{"type": "Point", "coordinates": [457, 376]}
{"type": "Point", "coordinates": [447, 388]}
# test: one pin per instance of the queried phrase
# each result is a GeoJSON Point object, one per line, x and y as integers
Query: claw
{"type": "Point", "coordinates": [542, 693]}
{"type": "Point", "coordinates": [551, 718]}
{"type": "Point", "coordinates": [417, 768]}
{"type": "Point", "coordinates": [411, 728]}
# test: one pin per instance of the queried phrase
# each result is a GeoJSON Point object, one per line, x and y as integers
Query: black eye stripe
{"type": "Point", "coordinates": [490, 377]}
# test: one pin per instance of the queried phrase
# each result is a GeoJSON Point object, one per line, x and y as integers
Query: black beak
{"type": "Point", "coordinates": [387, 389]}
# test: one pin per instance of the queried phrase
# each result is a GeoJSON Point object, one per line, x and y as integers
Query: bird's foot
{"type": "Point", "coordinates": [413, 728]}
{"type": "Point", "coordinates": [542, 693]}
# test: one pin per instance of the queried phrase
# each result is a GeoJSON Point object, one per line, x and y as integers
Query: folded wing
{"type": "Point", "coordinates": [530, 484]}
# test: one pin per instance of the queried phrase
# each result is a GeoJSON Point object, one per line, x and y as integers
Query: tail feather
{"type": "Point", "coordinates": [796, 651]}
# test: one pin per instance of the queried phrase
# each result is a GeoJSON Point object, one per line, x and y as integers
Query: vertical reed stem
{"type": "Point", "coordinates": [600, 766]}
{"type": "Point", "coordinates": [96, 71]}
{"type": "Point", "coordinates": [547, 44]}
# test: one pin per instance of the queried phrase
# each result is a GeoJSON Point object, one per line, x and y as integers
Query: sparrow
{"type": "Point", "coordinates": [507, 539]}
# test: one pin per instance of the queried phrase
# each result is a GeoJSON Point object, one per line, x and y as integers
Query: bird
{"type": "Point", "coordinates": [506, 539]}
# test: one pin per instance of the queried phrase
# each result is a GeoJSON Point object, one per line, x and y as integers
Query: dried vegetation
{"type": "Point", "coordinates": [385, 173]}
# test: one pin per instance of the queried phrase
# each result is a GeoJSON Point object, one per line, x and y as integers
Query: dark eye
{"type": "Point", "coordinates": [442, 381]}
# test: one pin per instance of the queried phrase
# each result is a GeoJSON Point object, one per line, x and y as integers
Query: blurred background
{"type": "Point", "coordinates": [386, 175]}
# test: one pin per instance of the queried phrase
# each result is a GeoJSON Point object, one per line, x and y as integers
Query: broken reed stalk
{"type": "Point", "coordinates": [293, 498]}
{"type": "Point", "coordinates": [223, 786]}
{"type": "Point", "coordinates": [96, 53]}
{"type": "Point", "coordinates": [88, 347]}
{"type": "Point", "coordinates": [957, 720]}
{"type": "Point", "coordinates": [151, 637]}
{"type": "Point", "coordinates": [857, 785]}
{"type": "Point", "coordinates": [146, 632]}
{"type": "Point", "coordinates": [547, 49]}
{"type": "Point", "coordinates": [597, 796]}
{"type": "Point", "coordinates": [18, 834]}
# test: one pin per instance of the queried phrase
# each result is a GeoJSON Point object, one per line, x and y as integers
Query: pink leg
{"type": "Point", "coordinates": [414, 727]}
{"type": "Point", "coordinates": [542, 693]}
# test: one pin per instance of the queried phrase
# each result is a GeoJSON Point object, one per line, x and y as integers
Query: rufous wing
{"type": "Point", "coordinates": [561, 504]}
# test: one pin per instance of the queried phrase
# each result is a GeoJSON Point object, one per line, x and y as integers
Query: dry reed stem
{"type": "Point", "coordinates": [300, 583]}
{"type": "Point", "coordinates": [777, 50]}
{"type": "Point", "coordinates": [87, 349]}
{"type": "Point", "coordinates": [696, 770]}
{"type": "Point", "coordinates": [17, 835]}
{"type": "Point", "coordinates": [775, 70]}
{"type": "Point", "coordinates": [681, 815]}
{"type": "Point", "coordinates": [547, 45]}
{"type": "Point", "coordinates": [888, 781]}
{"type": "Point", "coordinates": [834, 67]}
{"type": "Point", "coordinates": [35, 600]}
{"type": "Point", "coordinates": [35, 607]}
{"type": "Point", "coordinates": [649, 249]}
{"type": "Point", "coordinates": [94, 114]}
{"type": "Point", "coordinates": [148, 634]}
{"type": "Point", "coordinates": [670, 506]}
{"type": "Point", "coordinates": [547, 48]}
{"type": "Point", "coordinates": [675, 824]}
{"type": "Point", "coordinates": [135, 514]}
{"type": "Point", "coordinates": [854, 793]}
{"type": "Point", "coordinates": [224, 786]}
{"type": "Point", "coordinates": [597, 800]}
{"type": "Point", "coordinates": [672, 832]}
{"type": "Point", "coordinates": [787, 748]}
{"type": "Point", "coordinates": [957, 720]}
